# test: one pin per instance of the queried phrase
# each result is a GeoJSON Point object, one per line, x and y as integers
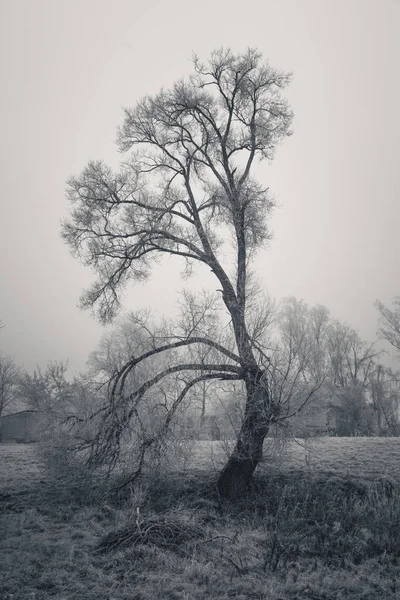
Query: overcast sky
{"type": "Point", "coordinates": [68, 68]}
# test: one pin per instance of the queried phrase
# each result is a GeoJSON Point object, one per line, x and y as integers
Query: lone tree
{"type": "Point", "coordinates": [185, 189]}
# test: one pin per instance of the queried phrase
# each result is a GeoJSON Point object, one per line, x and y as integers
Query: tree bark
{"type": "Point", "coordinates": [237, 474]}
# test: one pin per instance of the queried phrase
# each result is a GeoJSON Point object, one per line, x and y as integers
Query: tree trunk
{"type": "Point", "coordinates": [238, 471]}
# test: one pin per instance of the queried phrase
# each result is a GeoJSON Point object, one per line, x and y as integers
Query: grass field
{"type": "Point", "coordinates": [358, 456]}
{"type": "Point", "coordinates": [322, 523]}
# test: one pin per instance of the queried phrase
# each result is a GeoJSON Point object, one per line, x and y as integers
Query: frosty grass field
{"type": "Point", "coordinates": [311, 529]}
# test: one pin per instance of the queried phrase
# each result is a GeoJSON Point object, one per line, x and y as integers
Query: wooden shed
{"type": "Point", "coordinates": [22, 427]}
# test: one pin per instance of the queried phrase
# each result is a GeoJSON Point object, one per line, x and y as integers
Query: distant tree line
{"type": "Point", "coordinates": [323, 376]}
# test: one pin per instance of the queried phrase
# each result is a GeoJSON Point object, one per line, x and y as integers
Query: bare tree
{"type": "Point", "coordinates": [185, 189]}
{"type": "Point", "coordinates": [353, 368]}
{"type": "Point", "coordinates": [299, 368]}
{"type": "Point", "coordinates": [9, 377]}
{"type": "Point", "coordinates": [48, 391]}
{"type": "Point", "coordinates": [352, 359]}
{"type": "Point", "coordinates": [385, 394]}
{"type": "Point", "coordinates": [390, 322]}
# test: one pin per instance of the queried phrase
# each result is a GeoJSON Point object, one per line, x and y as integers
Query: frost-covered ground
{"type": "Point", "coordinates": [293, 537]}
{"type": "Point", "coordinates": [366, 456]}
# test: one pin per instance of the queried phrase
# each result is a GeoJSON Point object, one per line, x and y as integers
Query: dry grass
{"type": "Point", "coordinates": [367, 457]}
{"type": "Point", "coordinates": [20, 466]}
{"type": "Point", "coordinates": [358, 456]}
{"type": "Point", "coordinates": [310, 536]}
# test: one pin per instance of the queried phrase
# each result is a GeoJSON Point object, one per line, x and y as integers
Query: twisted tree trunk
{"type": "Point", "coordinates": [238, 471]}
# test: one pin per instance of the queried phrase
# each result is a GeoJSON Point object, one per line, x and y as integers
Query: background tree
{"type": "Point", "coordinates": [299, 366]}
{"type": "Point", "coordinates": [386, 383]}
{"type": "Point", "coordinates": [315, 351]}
{"type": "Point", "coordinates": [9, 378]}
{"type": "Point", "coordinates": [48, 391]}
{"type": "Point", "coordinates": [390, 322]}
{"type": "Point", "coordinates": [185, 189]}
{"type": "Point", "coordinates": [61, 403]}
{"type": "Point", "coordinates": [353, 364]}
{"type": "Point", "coordinates": [385, 395]}
{"type": "Point", "coordinates": [352, 359]}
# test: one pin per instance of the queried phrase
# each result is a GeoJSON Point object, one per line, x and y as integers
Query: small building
{"type": "Point", "coordinates": [317, 418]}
{"type": "Point", "coordinates": [22, 427]}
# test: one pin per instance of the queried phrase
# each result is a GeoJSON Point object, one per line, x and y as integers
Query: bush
{"type": "Point", "coordinates": [336, 519]}
{"type": "Point", "coordinates": [169, 531]}
{"type": "Point", "coordinates": [69, 478]}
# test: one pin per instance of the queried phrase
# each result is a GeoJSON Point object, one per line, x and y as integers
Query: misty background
{"type": "Point", "coordinates": [67, 69]}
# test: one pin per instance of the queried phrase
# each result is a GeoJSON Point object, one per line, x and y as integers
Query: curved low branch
{"type": "Point", "coordinates": [108, 447]}
{"type": "Point", "coordinates": [124, 371]}
{"type": "Point", "coordinates": [155, 438]}
{"type": "Point", "coordinates": [139, 393]}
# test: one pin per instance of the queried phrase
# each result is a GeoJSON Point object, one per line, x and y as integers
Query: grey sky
{"type": "Point", "coordinates": [67, 69]}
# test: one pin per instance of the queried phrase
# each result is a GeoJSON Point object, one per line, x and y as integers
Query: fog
{"type": "Point", "coordinates": [67, 69]}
